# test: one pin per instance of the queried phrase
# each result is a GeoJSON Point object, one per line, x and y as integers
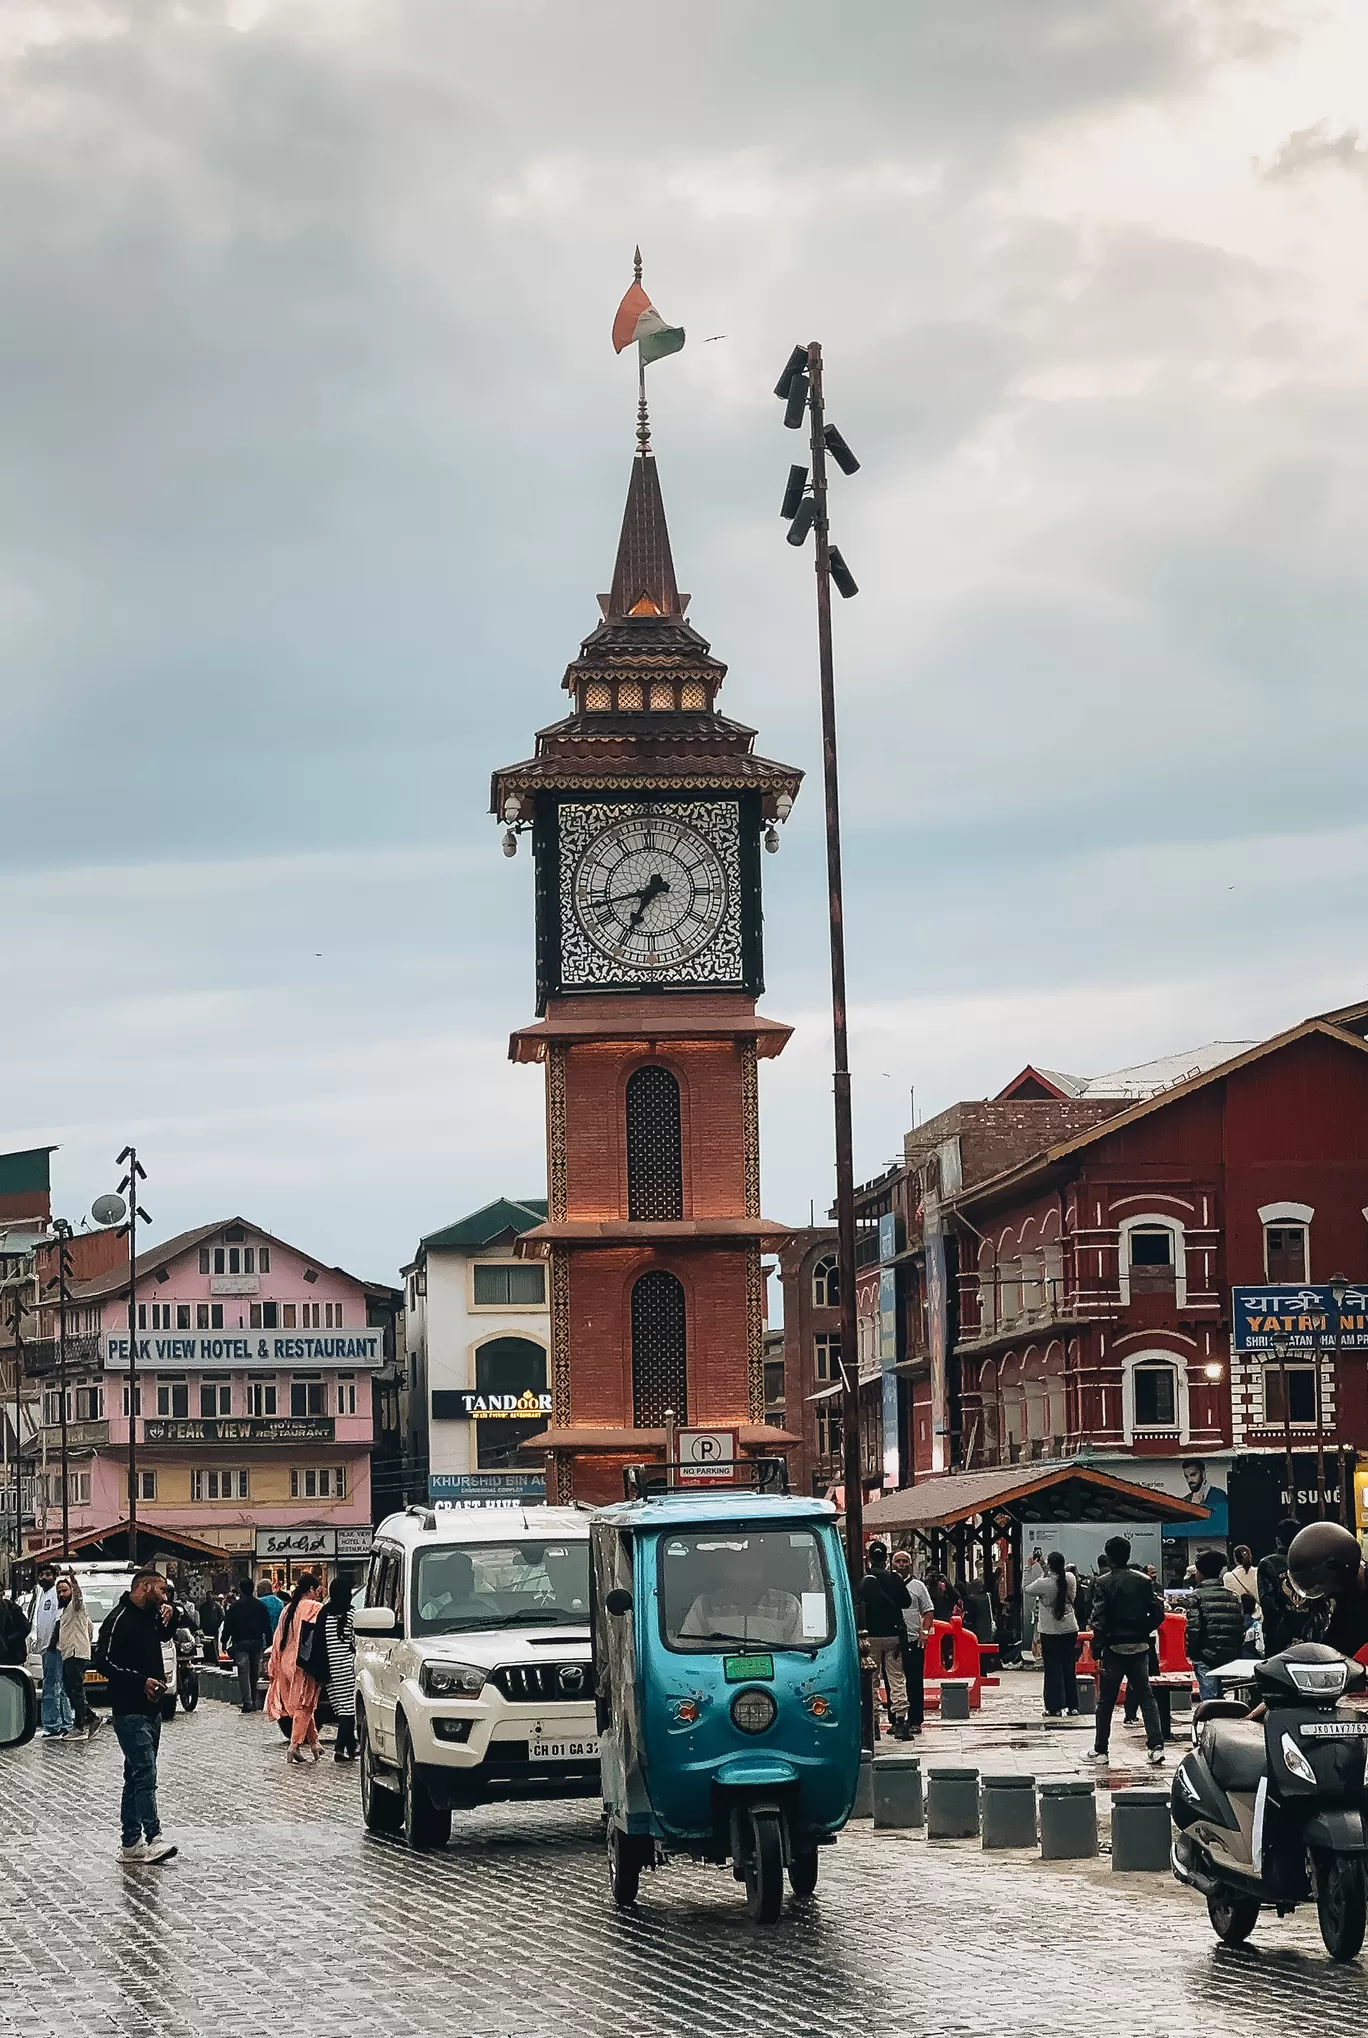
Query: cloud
{"type": "Point", "coordinates": [1312, 148]}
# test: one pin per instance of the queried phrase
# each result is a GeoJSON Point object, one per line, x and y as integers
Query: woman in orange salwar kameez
{"type": "Point", "coordinates": [293, 1694]}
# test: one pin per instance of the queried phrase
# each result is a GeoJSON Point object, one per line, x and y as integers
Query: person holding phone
{"type": "Point", "coordinates": [129, 1651]}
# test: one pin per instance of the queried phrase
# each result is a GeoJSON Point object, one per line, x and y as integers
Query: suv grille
{"type": "Point", "coordinates": [544, 1683]}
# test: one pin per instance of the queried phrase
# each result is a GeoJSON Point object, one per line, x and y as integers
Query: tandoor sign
{"type": "Point", "coordinates": [263, 1429]}
{"type": "Point", "coordinates": [1305, 1316]}
{"type": "Point", "coordinates": [510, 1407]}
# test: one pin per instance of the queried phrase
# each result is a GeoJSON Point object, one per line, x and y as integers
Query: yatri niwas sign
{"type": "Point", "coordinates": [218, 1352]}
{"type": "Point", "coordinates": [1305, 1316]}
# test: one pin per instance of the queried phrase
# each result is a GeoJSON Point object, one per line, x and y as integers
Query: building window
{"type": "Point", "coordinates": [52, 1407]}
{"type": "Point", "coordinates": [204, 1259]}
{"type": "Point", "coordinates": [182, 1316]}
{"type": "Point", "coordinates": [508, 1365]}
{"type": "Point", "coordinates": [1156, 1397]}
{"type": "Point", "coordinates": [308, 1316]}
{"type": "Point", "coordinates": [321, 1482]}
{"type": "Point", "coordinates": [1301, 1394]}
{"type": "Point", "coordinates": [826, 1357]}
{"type": "Point", "coordinates": [263, 1259]}
{"type": "Point", "coordinates": [332, 1316]}
{"type": "Point", "coordinates": [262, 1316]}
{"type": "Point", "coordinates": [655, 1159]}
{"type": "Point", "coordinates": [308, 1394]}
{"type": "Point", "coordinates": [142, 1316]}
{"type": "Point", "coordinates": [1151, 1260]}
{"type": "Point", "coordinates": [137, 1397]}
{"type": "Point", "coordinates": [346, 1394]}
{"type": "Point", "coordinates": [510, 1284]}
{"type": "Point", "coordinates": [659, 1350]}
{"type": "Point", "coordinates": [227, 1485]}
{"type": "Point", "coordinates": [173, 1398]}
{"type": "Point", "coordinates": [829, 1441]}
{"type": "Point", "coordinates": [1285, 1255]}
{"type": "Point", "coordinates": [90, 1404]}
{"type": "Point", "coordinates": [161, 1316]}
{"type": "Point", "coordinates": [147, 1485]}
{"type": "Point", "coordinates": [775, 1398]}
{"type": "Point", "coordinates": [78, 1488]}
{"type": "Point", "coordinates": [826, 1283]}
{"type": "Point", "coordinates": [287, 1316]}
{"type": "Point", "coordinates": [218, 1259]}
{"type": "Point", "coordinates": [216, 1398]}
{"type": "Point", "coordinates": [261, 1397]}
{"type": "Point", "coordinates": [249, 1259]}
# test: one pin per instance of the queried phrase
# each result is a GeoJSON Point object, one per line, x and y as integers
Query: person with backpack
{"type": "Point", "coordinates": [1215, 1624]}
{"type": "Point", "coordinates": [881, 1603]}
{"type": "Point", "coordinates": [295, 1684]}
{"type": "Point", "coordinates": [333, 1629]}
{"type": "Point", "coordinates": [1127, 1610]}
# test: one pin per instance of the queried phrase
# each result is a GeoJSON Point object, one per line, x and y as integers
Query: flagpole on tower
{"type": "Point", "coordinates": [643, 420]}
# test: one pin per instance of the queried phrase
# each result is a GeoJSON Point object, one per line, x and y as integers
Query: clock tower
{"type": "Point", "coordinates": [647, 809]}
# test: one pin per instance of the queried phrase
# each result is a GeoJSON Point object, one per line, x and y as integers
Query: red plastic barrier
{"type": "Point", "coordinates": [966, 1660]}
{"type": "Point", "coordinates": [1173, 1653]}
{"type": "Point", "coordinates": [1088, 1664]}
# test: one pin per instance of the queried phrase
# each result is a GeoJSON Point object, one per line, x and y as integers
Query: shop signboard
{"type": "Point", "coordinates": [1304, 1315]}
{"type": "Point", "coordinates": [296, 1542]}
{"type": "Point", "coordinates": [465, 1404]}
{"type": "Point", "coordinates": [220, 1352]}
{"type": "Point", "coordinates": [487, 1489]}
{"type": "Point", "coordinates": [354, 1542]}
{"type": "Point", "coordinates": [245, 1429]}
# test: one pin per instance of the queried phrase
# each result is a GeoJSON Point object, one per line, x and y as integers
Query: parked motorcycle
{"type": "Point", "coordinates": [1271, 1811]}
{"type": "Point", "coordinates": [179, 1672]}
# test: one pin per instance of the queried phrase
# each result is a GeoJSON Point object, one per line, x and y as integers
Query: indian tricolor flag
{"type": "Point", "coordinates": [637, 319]}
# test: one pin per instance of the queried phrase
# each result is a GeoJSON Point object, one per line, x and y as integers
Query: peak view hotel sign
{"type": "Point", "coordinates": [220, 1351]}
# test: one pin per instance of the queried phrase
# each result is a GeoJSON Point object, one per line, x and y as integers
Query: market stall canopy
{"type": "Point", "coordinates": [108, 1545]}
{"type": "Point", "coordinates": [1059, 1491]}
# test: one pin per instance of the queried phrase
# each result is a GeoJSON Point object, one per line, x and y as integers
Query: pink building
{"type": "Point", "coordinates": [251, 1389]}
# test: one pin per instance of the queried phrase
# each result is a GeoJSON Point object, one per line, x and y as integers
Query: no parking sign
{"type": "Point", "coordinates": [706, 1457]}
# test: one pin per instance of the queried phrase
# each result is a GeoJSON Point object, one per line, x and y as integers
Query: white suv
{"type": "Point", "coordinates": [473, 1673]}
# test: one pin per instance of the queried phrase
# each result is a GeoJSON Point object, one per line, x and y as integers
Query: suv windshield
{"type": "Point", "coordinates": [501, 1585]}
{"type": "Point", "coordinates": [727, 1587]}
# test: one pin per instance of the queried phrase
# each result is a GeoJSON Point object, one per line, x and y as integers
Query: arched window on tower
{"type": "Point", "coordinates": [826, 1283]}
{"type": "Point", "coordinates": [655, 1162]}
{"type": "Point", "coordinates": [660, 1377]}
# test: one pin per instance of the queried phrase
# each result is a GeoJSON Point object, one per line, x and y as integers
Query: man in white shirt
{"type": "Point", "coordinates": [920, 1617]}
{"type": "Point", "coordinates": [58, 1718]}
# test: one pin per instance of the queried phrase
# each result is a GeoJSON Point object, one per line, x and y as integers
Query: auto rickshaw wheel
{"type": "Point", "coordinates": [765, 1868]}
{"type": "Point", "coordinates": [803, 1872]}
{"type": "Point", "coordinates": [624, 1868]}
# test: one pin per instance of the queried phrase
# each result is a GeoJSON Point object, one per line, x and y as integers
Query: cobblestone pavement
{"type": "Point", "coordinates": [281, 1914]}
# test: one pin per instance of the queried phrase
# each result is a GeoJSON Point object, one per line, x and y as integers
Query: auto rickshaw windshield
{"type": "Point", "coordinates": [726, 1587]}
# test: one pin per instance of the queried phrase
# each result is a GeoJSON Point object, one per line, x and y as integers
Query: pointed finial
{"type": "Point", "coordinates": [643, 430]}
{"type": "Point", "coordinates": [636, 266]}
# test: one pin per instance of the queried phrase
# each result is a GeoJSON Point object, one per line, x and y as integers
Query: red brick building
{"type": "Point", "coordinates": [646, 809]}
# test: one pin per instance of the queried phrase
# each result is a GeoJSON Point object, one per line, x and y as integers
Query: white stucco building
{"type": "Point", "coordinates": [479, 1335]}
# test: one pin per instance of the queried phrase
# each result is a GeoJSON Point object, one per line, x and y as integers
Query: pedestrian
{"type": "Point", "coordinates": [211, 1621]}
{"type": "Point", "coordinates": [1215, 1624]}
{"type": "Point", "coordinates": [47, 1614]}
{"type": "Point", "coordinates": [917, 1622]}
{"type": "Point", "coordinates": [883, 1602]}
{"type": "Point", "coordinates": [129, 1651]}
{"type": "Point", "coordinates": [273, 1603]}
{"type": "Point", "coordinates": [1055, 1590]}
{"type": "Point", "coordinates": [1127, 1610]}
{"type": "Point", "coordinates": [1242, 1579]}
{"type": "Point", "coordinates": [336, 1626]}
{"type": "Point", "coordinates": [1284, 1618]}
{"type": "Point", "coordinates": [293, 1693]}
{"type": "Point", "coordinates": [15, 1626]}
{"type": "Point", "coordinates": [944, 1598]}
{"type": "Point", "coordinates": [978, 1610]}
{"type": "Point", "coordinates": [74, 1641]}
{"type": "Point", "coordinates": [246, 1635]}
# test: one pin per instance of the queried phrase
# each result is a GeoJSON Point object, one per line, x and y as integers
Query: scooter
{"type": "Point", "coordinates": [179, 1674]}
{"type": "Point", "coordinates": [1273, 1810]}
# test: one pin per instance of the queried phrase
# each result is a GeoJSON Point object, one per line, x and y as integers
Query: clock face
{"type": "Point", "coordinates": [650, 893]}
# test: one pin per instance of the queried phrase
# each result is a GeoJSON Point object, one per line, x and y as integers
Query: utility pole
{"type": "Point", "coordinates": [1280, 1354]}
{"type": "Point", "coordinates": [136, 1173]}
{"type": "Point", "coordinates": [16, 1329]}
{"type": "Point", "coordinates": [801, 388]}
{"type": "Point", "coordinates": [63, 1231]}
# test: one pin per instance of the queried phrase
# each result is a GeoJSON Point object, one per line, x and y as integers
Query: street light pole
{"type": "Point", "coordinates": [1339, 1288]}
{"type": "Point", "coordinates": [16, 1326]}
{"type": "Point", "coordinates": [1280, 1354]}
{"type": "Point", "coordinates": [136, 1173]}
{"type": "Point", "coordinates": [63, 1230]}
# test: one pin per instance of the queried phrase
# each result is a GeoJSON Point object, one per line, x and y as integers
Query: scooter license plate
{"type": "Point", "coordinates": [1333, 1730]}
{"type": "Point", "coordinates": [583, 1750]}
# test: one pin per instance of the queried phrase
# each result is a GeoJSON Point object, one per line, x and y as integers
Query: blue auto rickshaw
{"type": "Point", "coordinates": [728, 1685]}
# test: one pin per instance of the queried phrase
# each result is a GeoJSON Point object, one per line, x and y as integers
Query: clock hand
{"type": "Point", "coordinates": [647, 893]}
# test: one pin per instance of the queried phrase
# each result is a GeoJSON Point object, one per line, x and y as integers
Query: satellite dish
{"type": "Point", "coordinates": [109, 1209]}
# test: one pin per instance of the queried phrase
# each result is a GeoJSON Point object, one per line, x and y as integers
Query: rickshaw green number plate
{"type": "Point", "coordinates": [741, 1669]}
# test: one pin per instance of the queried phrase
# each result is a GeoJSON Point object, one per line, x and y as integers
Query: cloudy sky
{"type": "Point", "coordinates": [312, 455]}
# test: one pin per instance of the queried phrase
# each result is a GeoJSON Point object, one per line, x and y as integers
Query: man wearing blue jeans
{"type": "Point", "coordinates": [57, 1714]}
{"type": "Point", "coordinates": [129, 1653]}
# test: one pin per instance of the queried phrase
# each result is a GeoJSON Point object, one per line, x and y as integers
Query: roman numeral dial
{"type": "Point", "coordinates": [650, 892]}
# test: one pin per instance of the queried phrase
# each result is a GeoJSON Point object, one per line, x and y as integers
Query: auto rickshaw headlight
{"type": "Point", "coordinates": [451, 1680]}
{"type": "Point", "coordinates": [753, 1710]}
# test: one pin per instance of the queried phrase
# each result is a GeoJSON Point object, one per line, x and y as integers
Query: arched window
{"type": "Point", "coordinates": [826, 1283]}
{"type": "Point", "coordinates": [659, 1351]}
{"type": "Point", "coordinates": [508, 1366]}
{"type": "Point", "coordinates": [655, 1163]}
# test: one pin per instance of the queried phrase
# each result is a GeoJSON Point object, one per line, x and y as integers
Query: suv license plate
{"type": "Point", "coordinates": [564, 1751]}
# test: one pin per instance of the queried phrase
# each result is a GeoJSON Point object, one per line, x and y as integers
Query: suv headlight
{"type": "Point", "coordinates": [451, 1680]}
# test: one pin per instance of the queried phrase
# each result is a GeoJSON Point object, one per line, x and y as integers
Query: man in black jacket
{"type": "Point", "coordinates": [1215, 1624]}
{"type": "Point", "coordinates": [882, 1602]}
{"type": "Point", "coordinates": [129, 1651]}
{"type": "Point", "coordinates": [246, 1635]}
{"type": "Point", "coordinates": [14, 1627]}
{"type": "Point", "coordinates": [1127, 1609]}
{"type": "Point", "coordinates": [1284, 1620]}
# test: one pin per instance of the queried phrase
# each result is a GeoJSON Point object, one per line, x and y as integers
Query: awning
{"type": "Point", "coordinates": [826, 1393]}
{"type": "Point", "coordinates": [1061, 1490]}
{"type": "Point", "coordinates": [107, 1545]}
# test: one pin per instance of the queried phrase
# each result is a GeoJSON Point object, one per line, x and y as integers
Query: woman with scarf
{"type": "Point", "coordinates": [293, 1693]}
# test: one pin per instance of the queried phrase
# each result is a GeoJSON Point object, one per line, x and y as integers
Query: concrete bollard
{"type": "Point", "coordinates": [954, 1698]}
{"type": "Point", "coordinates": [898, 1792]}
{"type": "Point", "coordinates": [1068, 1820]}
{"type": "Point", "coordinates": [864, 1789]}
{"type": "Point", "coordinates": [1009, 1811]}
{"type": "Point", "coordinates": [1140, 1834]}
{"type": "Point", "coordinates": [952, 1804]}
{"type": "Point", "coordinates": [1087, 1696]}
